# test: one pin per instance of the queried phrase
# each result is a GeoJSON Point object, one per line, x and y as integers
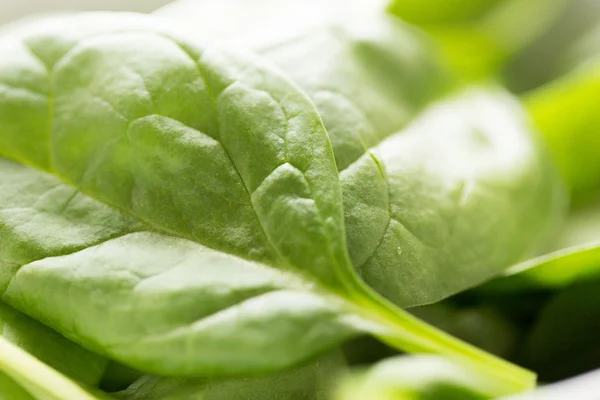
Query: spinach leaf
{"type": "Point", "coordinates": [411, 196]}
{"type": "Point", "coordinates": [576, 258]}
{"type": "Point", "coordinates": [312, 381]}
{"type": "Point", "coordinates": [558, 50]}
{"type": "Point", "coordinates": [478, 37]}
{"type": "Point", "coordinates": [228, 255]}
{"type": "Point", "coordinates": [565, 113]}
{"type": "Point", "coordinates": [417, 378]}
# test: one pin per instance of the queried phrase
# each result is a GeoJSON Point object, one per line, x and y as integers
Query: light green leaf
{"type": "Point", "coordinates": [230, 255]}
{"type": "Point", "coordinates": [565, 112]}
{"type": "Point", "coordinates": [412, 197]}
{"type": "Point", "coordinates": [563, 46]}
{"type": "Point", "coordinates": [576, 258]}
{"type": "Point", "coordinates": [417, 378]}
{"type": "Point", "coordinates": [478, 36]}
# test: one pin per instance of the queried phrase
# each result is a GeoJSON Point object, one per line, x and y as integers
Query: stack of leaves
{"type": "Point", "coordinates": [264, 200]}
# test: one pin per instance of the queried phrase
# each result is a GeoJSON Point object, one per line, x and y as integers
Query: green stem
{"type": "Point", "coordinates": [405, 332]}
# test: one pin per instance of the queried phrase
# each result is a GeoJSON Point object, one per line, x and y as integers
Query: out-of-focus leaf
{"type": "Point", "coordinates": [478, 36]}
{"type": "Point", "coordinates": [558, 50]}
{"type": "Point", "coordinates": [566, 113]}
{"type": "Point", "coordinates": [576, 258]}
{"type": "Point", "coordinates": [416, 378]}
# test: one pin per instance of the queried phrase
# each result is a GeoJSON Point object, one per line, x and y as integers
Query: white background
{"type": "Point", "coordinates": [11, 10]}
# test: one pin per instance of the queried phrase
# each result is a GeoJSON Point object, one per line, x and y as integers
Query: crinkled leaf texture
{"type": "Point", "coordinates": [183, 214]}
{"type": "Point", "coordinates": [430, 210]}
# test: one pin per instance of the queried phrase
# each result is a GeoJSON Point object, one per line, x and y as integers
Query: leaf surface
{"type": "Point", "coordinates": [183, 214]}
{"type": "Point", "coordinates": [411, 195]}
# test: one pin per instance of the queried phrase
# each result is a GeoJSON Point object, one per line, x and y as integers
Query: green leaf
{"type": "Point", "coordinates": [312, 381]}
{"type": "Point", "coordinates": [412, 197]}
{"type": "Point", "coordinates": [565, 113]}
{"type": "Point", "coordinates": [228, 255]}
{"type": "Point", "coordinates": [417, 378]}
{"type": "Point", "coordinates": [478, 36]}
{"type": "Point", "coordinates": [558, 50]}
{"type": "Point", "coordinates": [576, 258]}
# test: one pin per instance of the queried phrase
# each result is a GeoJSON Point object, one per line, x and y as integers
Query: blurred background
{"type": "Point", "coordinates": [14, 9]}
